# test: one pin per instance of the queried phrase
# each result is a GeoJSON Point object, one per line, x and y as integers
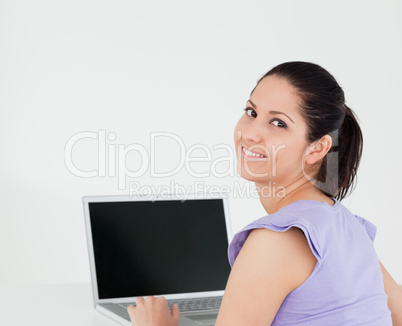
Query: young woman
{"type": "Point", "coordinates": [310, 261]}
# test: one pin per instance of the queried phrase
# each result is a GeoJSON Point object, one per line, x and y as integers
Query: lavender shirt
{"type": "Point", "coordinates": [346, 286]}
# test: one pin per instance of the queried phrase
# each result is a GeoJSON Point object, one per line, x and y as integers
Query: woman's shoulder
{"type": "Point", "coordinates": [283, 256]}
{"type": "Point", "coordinates": [289, 246]}
{"type": "Point", "coordinates": [309, 216]}
{"type": "Point", "coordinates": [272, 224]}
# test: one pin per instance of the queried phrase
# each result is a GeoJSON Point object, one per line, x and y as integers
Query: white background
{"type": "Point", "coordinates": [186, 67]}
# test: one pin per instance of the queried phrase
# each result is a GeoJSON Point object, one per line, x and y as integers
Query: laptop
{"type": "Point", "coordinates": [173, 246]}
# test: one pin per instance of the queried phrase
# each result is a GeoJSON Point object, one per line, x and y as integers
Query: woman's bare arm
{"type": "Point", "coordinates": [269, 266]}
{"type": "Point", "coordinates": [394, 293]}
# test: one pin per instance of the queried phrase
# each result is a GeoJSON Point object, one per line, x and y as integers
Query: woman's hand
{"type": "Point", "coordinates": [153, 312]}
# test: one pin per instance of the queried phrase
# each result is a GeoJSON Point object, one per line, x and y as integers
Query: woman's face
{"type": "Point", "coordinates": [271, 125]}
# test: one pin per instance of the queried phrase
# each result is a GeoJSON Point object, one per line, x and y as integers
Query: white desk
{"type": "Point", "coordinates": [44, 305]}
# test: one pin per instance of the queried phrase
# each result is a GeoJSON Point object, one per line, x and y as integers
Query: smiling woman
{"type": "Point", "coordinates": [310, 261]}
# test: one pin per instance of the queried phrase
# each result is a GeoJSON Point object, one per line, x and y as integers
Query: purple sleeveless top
{"type": "Point", "coordinates": [346, 286]}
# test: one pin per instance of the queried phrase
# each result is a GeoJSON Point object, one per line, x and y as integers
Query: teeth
{"type": "Point", "coordinates": [251, 153]}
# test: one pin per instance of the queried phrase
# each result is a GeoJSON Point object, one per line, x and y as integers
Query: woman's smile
{"type": "Point", "coordinates": [252, 155]}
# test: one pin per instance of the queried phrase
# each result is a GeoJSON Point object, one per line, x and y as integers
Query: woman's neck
{"type": "Point", "coordinates": [278, 197]}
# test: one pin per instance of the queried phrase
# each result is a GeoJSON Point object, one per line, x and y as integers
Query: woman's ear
{"type": "Point", "coordinates": [318, 149]}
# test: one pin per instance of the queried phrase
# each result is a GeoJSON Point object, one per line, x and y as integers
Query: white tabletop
{"type": "Point", "coordinates": [44, 305]}
{"type": "Point", "coordinates": [69, 304]}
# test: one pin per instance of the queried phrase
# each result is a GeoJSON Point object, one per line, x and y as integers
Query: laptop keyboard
{"type": "Point", "coordinates": [189, 305]}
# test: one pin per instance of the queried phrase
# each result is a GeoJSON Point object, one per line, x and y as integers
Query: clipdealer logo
{"type": "Point", "coordinates": [112, 162]}
{"type": "Point", "coordinates": [112, 157]}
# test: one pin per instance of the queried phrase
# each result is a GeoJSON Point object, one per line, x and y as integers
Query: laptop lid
{"type": "Point", "coordinates": [173, 246]}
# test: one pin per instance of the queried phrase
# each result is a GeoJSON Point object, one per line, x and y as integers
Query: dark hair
{"type": "Point", "coordinates": [325, 112]}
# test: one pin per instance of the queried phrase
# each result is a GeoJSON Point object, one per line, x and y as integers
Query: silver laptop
{"type": "Point", "coordinates": [173, 246]}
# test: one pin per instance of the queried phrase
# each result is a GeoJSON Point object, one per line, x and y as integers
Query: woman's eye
{"type": "Point", "coordinates": [279, 123]}
{"type": "Point", "coordinates": [250, 112]}
{"type": "Point", "coordinates": [276, 122]}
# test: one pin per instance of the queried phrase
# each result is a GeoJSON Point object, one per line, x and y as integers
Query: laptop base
{"type": "Point", "coordinates": [120, 315]}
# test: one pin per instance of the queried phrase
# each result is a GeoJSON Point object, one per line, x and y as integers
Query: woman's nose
{"type": "Point", "coordinates": [252, 133]}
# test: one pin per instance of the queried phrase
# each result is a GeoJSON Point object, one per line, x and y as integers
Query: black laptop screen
{"type": "Point", "coordinates": [161, 247]}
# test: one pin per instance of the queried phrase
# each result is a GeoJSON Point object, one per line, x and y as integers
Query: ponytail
{"type": "Point", "coordinates": [350, 152]}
